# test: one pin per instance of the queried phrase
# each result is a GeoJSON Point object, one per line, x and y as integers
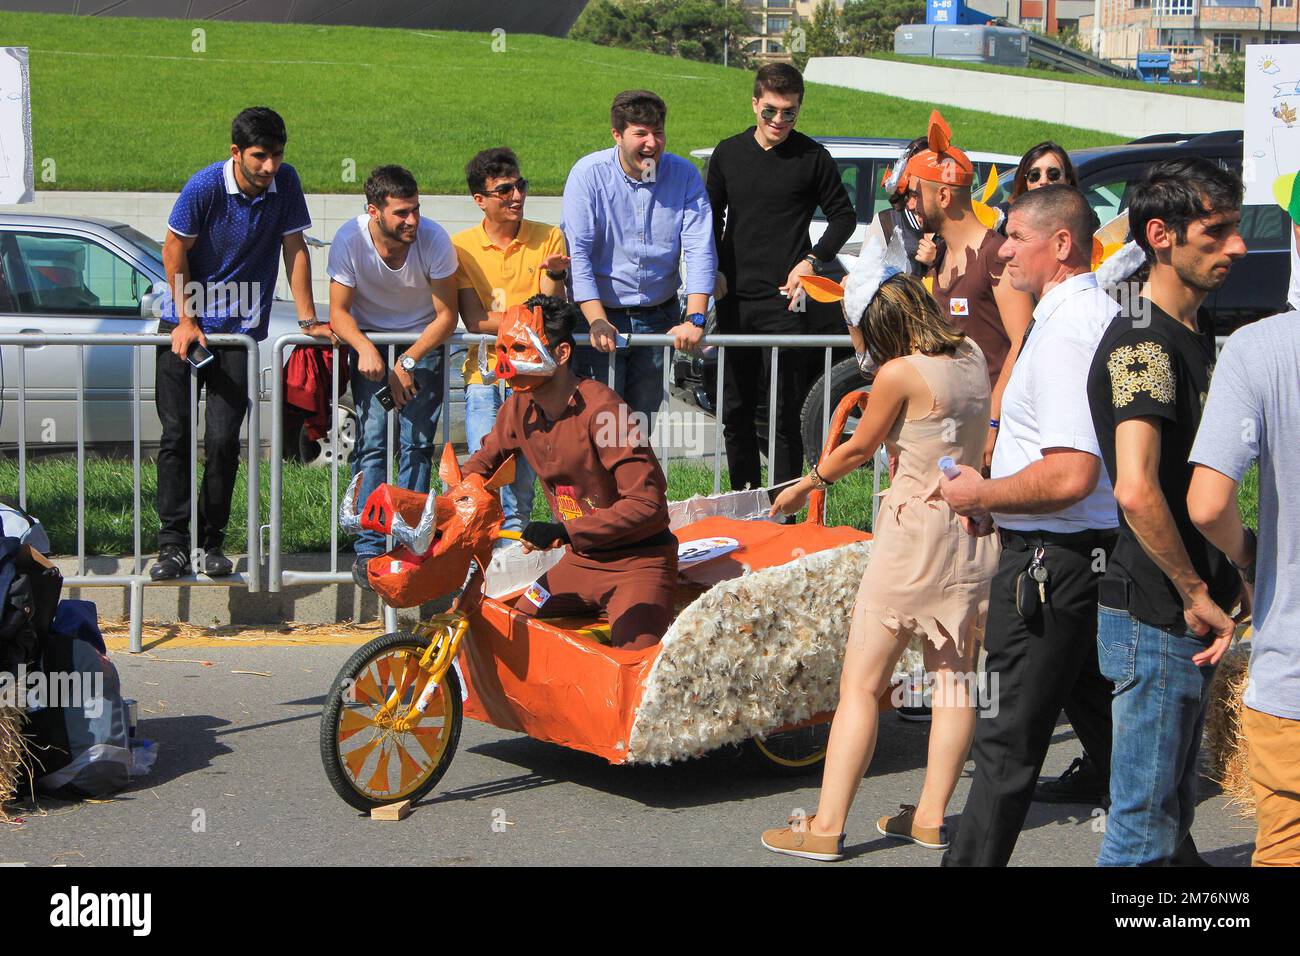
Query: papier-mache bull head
{"type": "Point", "coordinates": [523, 359]}
{"type": "Point", "coordinates": [437, 535]}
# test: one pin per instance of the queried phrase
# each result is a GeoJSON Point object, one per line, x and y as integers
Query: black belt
{"type": "Point", "coordinates": [640, 308]}
{"type": "Point", "coordinates": [1086, 539]}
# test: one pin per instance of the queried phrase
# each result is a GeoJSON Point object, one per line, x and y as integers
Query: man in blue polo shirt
{"type": "Point", "coordinates": [631, 214]}
{"type": "Point", "coordinates": [222, 259]}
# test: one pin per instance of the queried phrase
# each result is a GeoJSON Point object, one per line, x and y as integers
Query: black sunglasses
{"type": "Point", "coordinates": [1054, 174]}
{"type": "Point", "coordinates": [769, 113]}
{"type": "Point", "coordinates": [504, 190]}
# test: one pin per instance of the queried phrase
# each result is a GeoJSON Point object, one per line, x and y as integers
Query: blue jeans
{"type": "Point", "coordinates": [482, 402]}
{"type": "Point", "coordinates": [417, 431]}
{"type": "Point", "coordinates": [639, 371]}
{"type": "Point", "coordinates": [1158, 712]}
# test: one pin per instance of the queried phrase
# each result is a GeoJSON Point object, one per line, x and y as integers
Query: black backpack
{"type": "Point", "coordinates": [29, 596]}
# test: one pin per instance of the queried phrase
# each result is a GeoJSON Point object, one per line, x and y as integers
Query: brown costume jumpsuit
{"type": "Point", "coordinates": [603, 481]}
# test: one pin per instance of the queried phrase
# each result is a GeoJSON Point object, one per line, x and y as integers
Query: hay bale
{"type": "Point", "coordinates": [1224, 745]}
{"type": "Point", "coordinates": [13, 755]}
{"type": "Point", "coordinates": [750, 654]}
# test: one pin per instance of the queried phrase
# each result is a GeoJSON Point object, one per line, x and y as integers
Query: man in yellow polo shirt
{"type": "Point", "coordinates": [503, 261]}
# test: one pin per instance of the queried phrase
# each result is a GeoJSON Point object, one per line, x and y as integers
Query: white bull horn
{"type": "Point", "coordinates": [349, 520]}
{"type": "Point", "coordinates": [417, 539]}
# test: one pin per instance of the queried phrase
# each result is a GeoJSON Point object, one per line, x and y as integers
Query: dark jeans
{"type": "Point", "coordinates": [746, 382]}
{"type": "Point", "coordinates": [1042, 664]}
{"type": "Point", "coordinates": [638, 371]}
{"type": "Point", "coordinates": [225, 379]}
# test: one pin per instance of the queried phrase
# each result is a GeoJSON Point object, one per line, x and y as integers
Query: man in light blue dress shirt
{"type": "Point", "coordinates": [634, 216]}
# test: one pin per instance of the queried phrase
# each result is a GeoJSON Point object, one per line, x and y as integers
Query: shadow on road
{"type": "Point", "coordinates": [185, 744]}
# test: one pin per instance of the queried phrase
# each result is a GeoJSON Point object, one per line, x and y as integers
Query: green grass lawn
{"type": "Point", "coordinates": [1040, 74]}
{"type": "Point", "coordinates": [126, 104]}
{"type": "Point", "coordinates": [52, 497]}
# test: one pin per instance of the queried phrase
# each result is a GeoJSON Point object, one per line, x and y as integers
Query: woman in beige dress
{"type": "Point", "coordinates": [930, 571]}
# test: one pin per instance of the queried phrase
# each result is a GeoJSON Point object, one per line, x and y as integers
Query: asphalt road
{"type": "Point", "coordinates": [238, 781]}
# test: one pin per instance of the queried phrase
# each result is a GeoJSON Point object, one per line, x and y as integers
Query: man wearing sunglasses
{"type": "Point", "coordinates": [504, 261]}
{"type": "Point", "coordinates": [770, 180]}
{"type": "Point", "coordinates": [633, 215]}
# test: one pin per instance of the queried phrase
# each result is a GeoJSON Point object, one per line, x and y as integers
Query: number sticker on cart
{"type": "Point", "coordinates": [704, 549]}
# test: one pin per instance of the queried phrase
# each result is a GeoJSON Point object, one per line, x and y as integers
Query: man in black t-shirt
{"type": "Point", "coordinates": [766, 183]}
{"type": "Point", "coordinates": [1164, 600]}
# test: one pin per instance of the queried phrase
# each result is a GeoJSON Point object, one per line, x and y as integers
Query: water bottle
{"type": "Point", "coordinates": [949, 467]}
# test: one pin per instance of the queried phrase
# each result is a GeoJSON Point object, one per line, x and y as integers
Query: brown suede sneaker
{"type": "Point", "coordinates": [901, 827]}
{"type": "Point", "coordinates": [798, 840]}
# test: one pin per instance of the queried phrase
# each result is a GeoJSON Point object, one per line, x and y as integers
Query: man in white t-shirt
{"type": "Point", "coordinates": [391, 271]}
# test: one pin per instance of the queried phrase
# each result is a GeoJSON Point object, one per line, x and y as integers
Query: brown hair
{"type": "Point", "coordinates": [637, 108]}
{"type": "Point", "coordinates": [780, 78]}
{"type": "Point", "coordinates": [903, 318]}
{"type": "Point", "coordinates": [1021, 184]}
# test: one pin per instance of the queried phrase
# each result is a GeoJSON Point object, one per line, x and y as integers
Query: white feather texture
{"type": "Point", "coordinates": [1125, 261]}
{"type": "Point", "coordinates": [876, 264]}
{"type": "Point", "coordinates": [751, 654]}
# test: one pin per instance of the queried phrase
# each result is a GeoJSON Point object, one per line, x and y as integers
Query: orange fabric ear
{"type": "Point", "coordinates": [822, 289]}
{"type": "Point", "coordinates": [503, 475]}
{"type": "Point", "coordinates": [449, 468]}
{"type": "Point", "coordinates": [939, 135]}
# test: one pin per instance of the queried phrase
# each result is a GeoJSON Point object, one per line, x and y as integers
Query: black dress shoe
{"type": "Point", "coordinates": [359, 575]}
{"type": "Point", "coordinates": [172, 563]}
{"type": "Point", "coordinates": [216, 564]}
{"type": "Point", "coordinates": [1081, 783]}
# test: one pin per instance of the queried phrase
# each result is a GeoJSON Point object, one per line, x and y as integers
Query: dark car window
{"type": "Point", "coordinates": [69, 275]}
{"type": "Point", "coordinates": [853, 174]}
{"type": "Point", "coordinates": [1266, 228]}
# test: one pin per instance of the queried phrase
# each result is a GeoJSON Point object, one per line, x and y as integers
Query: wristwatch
{"type": "Point", "coordinates": [557, 276]}
{"type": "Point", "coordinates": [812, 259]}
{"type": "Point", "coordinates": [407, 363]}
{"type": "Point", "coordinates": [306, 324]}
{"type": "Point", "coordinates": [697, 319]}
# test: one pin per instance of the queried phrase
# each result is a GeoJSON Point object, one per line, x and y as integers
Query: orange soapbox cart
{"type": "Point", "coordinates": [735, 668]}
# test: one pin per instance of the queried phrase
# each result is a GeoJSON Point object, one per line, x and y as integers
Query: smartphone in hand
{"type": "Point", "coordinates": [385, 396]}
{"type": "Point", "coordinates": [198, 356]}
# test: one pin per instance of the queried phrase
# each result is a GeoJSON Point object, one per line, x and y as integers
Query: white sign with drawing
{"type": "Point", "coordinates": [16, 183]}
{"type": "Point", "coordinates": [1272, 130]}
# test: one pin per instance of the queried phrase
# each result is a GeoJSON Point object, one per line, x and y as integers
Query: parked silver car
{"type": "Point", "coordinates": [61, 274]}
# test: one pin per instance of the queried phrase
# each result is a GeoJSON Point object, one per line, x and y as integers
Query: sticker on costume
{"type": "Point", "coordinates": [704, 549]}
{"type": "Point", "coordinates": [566, 501]}
{"type": "Point", "coordinates": [537, 594]}
{"type": "Point", "coordinates": [958, 307]}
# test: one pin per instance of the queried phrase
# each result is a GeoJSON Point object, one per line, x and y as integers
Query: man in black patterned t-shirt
{"type": "Point", "coordinates": [1166, 595]}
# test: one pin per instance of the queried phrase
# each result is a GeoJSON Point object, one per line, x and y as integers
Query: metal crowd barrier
{"type": "Point", "coordinates": [278, 576]}
{"type": "Point", "coordinates": [137, 580]}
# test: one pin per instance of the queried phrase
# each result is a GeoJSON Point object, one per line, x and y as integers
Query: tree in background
{"type": "Point", "coordinates": [690, 29]}
{"type": "Point", "coordinates": [823, 35]}
{"type": "Point", "coordinates": [859, 27]}
{"type": "Point", "coordinates": [869, 24]}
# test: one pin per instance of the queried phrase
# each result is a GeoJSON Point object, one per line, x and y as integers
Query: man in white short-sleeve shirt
{"type": "Point", "coordinates": [1057, 520]}
{"type": "Point", "coordinates": [391, 271]}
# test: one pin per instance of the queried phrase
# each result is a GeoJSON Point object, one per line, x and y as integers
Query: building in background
{"type": "Point", "coordinates": [770, 21]}
{"type": "Point", "coordinates": [551, 18]}
{"type": "Point", "coordinates": [1195, 32]}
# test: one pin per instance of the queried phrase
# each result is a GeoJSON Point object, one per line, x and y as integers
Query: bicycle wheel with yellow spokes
{"type": "Point", "coordinates": [791, 753]}
{"type": "Point", "coordinates": [375, 747]}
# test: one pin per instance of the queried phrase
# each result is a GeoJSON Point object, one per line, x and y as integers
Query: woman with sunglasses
{"type": "Point", "coordinates": [1046, 164]}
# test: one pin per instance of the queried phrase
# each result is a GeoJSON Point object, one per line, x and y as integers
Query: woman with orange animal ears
{"type": "Point", "coordinates": [928, 577]}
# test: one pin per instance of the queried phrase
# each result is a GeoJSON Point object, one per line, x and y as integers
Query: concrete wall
{"type": "Point", "coordinates": [148, 212]}
{"type": "Point", "coordinates": [1123, 112]}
